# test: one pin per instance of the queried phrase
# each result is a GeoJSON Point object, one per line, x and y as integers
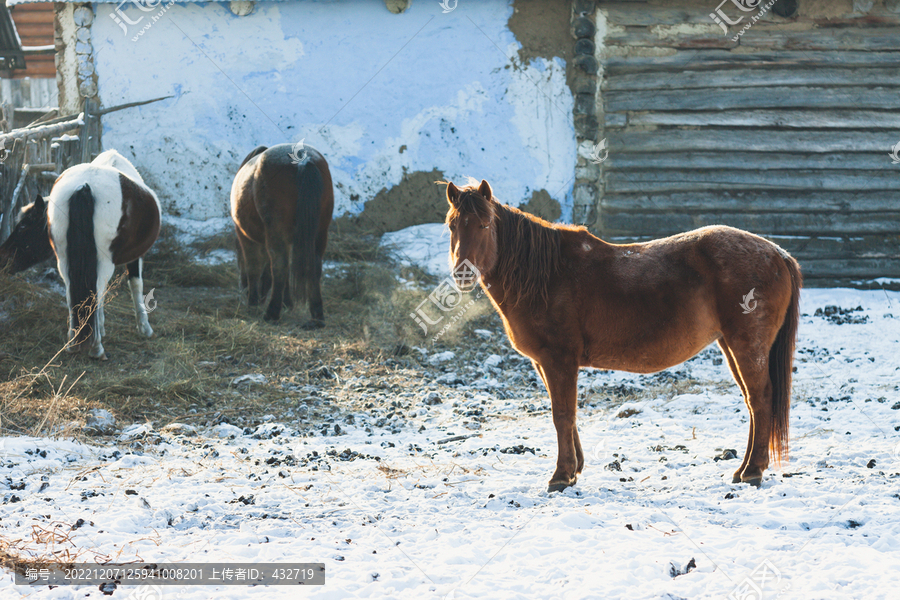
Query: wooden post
{"type": "Point", "coordinates": [89, 130]}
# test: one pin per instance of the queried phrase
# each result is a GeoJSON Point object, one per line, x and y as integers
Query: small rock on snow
{"type": "Point", "coordinates": [249, 378]}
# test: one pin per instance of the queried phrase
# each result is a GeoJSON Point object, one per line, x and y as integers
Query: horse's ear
{"type": "Point", "coordinates": [452, 194]}
{"type": "Point", "coordinates": [485, 190]}
{"type": "Point", "coordinates": [39, 203]}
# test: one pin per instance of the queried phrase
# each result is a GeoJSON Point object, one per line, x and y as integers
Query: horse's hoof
{"type": "Point", "coordinates": [736, 478]}
{"type": "Point", "coordinates": [558, 486]}
{"type": "Point", "coordinates": [271, 318]}
{"type": "Point", "coordinates": [754, 481]}
{"type": "Point", "coordinates": [146, 331]}
{"type": "Point", "coordinates": [314, 324]}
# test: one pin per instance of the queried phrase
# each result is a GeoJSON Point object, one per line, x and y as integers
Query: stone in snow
{"type": "Point", "coordinates": [493, 361]}
{"type": "Point", "coordinates": [100, 422]}
{"type": "Point", "coordinates": [135, 430]}
{"type": "Point", "coordinates": [249, 378]}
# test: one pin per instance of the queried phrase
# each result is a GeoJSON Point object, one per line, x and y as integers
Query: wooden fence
{"type": "Point", "coordinates": [32, 157]}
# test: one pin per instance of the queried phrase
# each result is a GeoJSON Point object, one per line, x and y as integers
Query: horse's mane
{"type": "Point", "coordinates": [528, 247]}
{"type": "Point", "coordinates": [255, 152]}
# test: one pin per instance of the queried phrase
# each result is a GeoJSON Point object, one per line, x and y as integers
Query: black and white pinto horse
{"type": "Point", "coordinates": [100, 215]}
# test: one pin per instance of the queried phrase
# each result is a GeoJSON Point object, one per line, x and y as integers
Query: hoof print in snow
{"type": "Point", "coordinates": [613, 466]}
{"type": "Point", "coordinates": [675, 571]}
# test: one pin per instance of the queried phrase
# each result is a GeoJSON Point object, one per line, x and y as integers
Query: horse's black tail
{"type": "Point", "coordinates": [81, 255]}
{"type": "Point", "coordinates": [781, 360]}
{"type": "Point", "coordinates": [306, 226]}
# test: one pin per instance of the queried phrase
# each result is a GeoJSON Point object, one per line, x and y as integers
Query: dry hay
{"type": "Point", "coordinates": [204, 338]}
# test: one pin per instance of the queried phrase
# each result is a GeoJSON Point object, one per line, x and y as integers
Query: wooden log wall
{"type": "Point", "coordinates": [786, 132]}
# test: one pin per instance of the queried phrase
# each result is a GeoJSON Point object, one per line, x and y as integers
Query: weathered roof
{"type": "Point", "coordinates": [11, 55]}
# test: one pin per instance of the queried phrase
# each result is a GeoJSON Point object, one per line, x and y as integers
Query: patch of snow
{"type": "Point", "coordinates": [441, 357]}
{"type": "Point", "coordinates": [426, 246]}
{"type": "Point", "coordinates": [224, 430]}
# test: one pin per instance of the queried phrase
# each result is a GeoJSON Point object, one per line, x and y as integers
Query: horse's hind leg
{"type": "Point", "coordinates": [732, 366]}
{"type": "Point", "coordinates": [278, 259]}
{"type": "Point", "coordinates": [752, 361]}
{"type": "Point", "coordinates": [265, 277]}
{"type": "Point", "coordinates": [314, 293]}
{"type": "Point", "coordinates": [253, 265]}
{"type": "Point", "coordinates": [136, 285]}
{"type": "Point", "coordinates": [105, 270]}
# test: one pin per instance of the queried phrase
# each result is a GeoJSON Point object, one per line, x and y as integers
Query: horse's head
{"type": "Point", "coordinates": [29, 242]}
{"type": "Point", "coordinates": [473, 237]}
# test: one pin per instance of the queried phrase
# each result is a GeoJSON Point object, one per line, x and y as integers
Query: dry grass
{"type": "Point", "coordinates": [203, 339]}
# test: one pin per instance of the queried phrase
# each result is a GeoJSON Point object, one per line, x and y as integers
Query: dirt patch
{"type": "Point", "coordinates": [543, 29]}
{"type": "Point", "coordinates": [413, 201]}
{"type": "Point", "coordinates": [543, 206]}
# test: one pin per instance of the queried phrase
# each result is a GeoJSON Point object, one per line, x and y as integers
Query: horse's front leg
{"type": "Point", "coordinates": [561, 379]}
{"type": "Point", "coordinates": [136, 285]}
{"type": "Point", "coordinates": [579, 453]}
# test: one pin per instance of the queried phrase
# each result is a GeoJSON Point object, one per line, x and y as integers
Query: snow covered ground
{"type": "Point", "coordinates": [395, 510]}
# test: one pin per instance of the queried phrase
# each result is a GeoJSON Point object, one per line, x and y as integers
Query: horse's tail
{"type": "Point", "coordinates": [306, 226]}
{"type": "Point", "coordinates": [81, 256]}
{"type": "Point", "coordinates": [781, 360]}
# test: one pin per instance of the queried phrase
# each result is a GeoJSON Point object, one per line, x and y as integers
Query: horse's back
{"type": "Point", "coordinates": [114, 160]}
{"type": "Point", "coordinates": [126, 212]}
{"type": "Point", "coordinates": [266, 185]}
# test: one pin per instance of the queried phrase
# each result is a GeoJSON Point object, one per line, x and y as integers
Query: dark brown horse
{"type": "Point", "coordinates": [29, 242]}
{"type": "Point", "coordinates": [281, 203]}
{"type": "Point", "coordinates": [569, 300]}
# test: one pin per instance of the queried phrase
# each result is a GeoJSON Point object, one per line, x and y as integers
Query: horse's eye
{"type": "Point", "coordinates": [486, 226]}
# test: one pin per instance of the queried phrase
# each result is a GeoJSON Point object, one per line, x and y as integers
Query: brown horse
{"type": "Point", "coordinates": [569, 300]}
{"type": "Point", "coordinates": [281, 203]}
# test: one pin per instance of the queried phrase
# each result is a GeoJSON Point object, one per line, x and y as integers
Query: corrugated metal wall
{"type": "Point", "coordinates": [786, 133]}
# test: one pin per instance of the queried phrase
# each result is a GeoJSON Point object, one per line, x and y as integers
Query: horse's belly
{"type": "Point", "coordinates": [661, 349]}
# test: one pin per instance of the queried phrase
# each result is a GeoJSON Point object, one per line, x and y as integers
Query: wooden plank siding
{"type": "Point", "coordinates": [786, 133]}
{"type": "Point", "coordinates": [35, 24]}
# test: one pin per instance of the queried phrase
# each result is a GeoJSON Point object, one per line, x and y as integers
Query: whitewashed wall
{"type": "Point", "coordinates": [379, 94]}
